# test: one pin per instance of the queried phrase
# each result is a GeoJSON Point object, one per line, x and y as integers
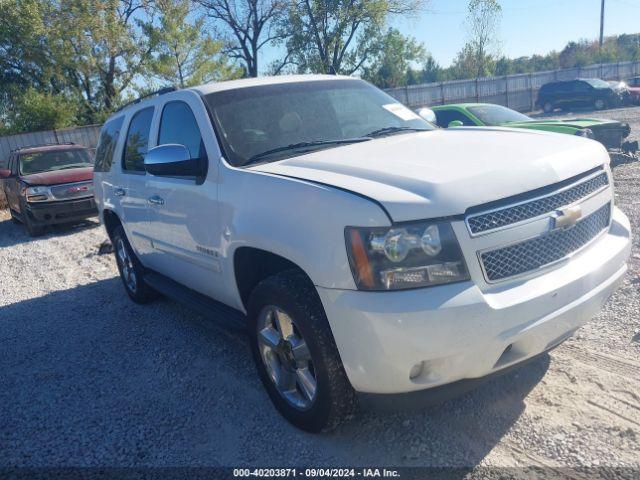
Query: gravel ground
{"type": "Point", "coordinates": [87, 378]}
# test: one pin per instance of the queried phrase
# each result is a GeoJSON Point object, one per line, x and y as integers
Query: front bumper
{"type": "Point", "coordinates": [405, 341]}
{"type": "Point", "coordinates": [50, 213]}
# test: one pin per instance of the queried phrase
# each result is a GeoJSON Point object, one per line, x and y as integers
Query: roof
{"type": "Point", "coordinates": [459, 105]}
{"type": "Point", "coordinates": [49, 147]}
{"type": "Point", "coordinates": [254, 82]}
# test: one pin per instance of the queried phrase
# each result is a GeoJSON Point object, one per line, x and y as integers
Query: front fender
{"type": "Point", "coordinates": [299, 220]}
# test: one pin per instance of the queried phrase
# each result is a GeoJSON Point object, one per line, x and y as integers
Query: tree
{"type": "Point", "coordinates": [483, 21]}
{"type": "Point", "coordinates": [339, 35]}
{"type": "Point", "coordinates": [183, 53]}
{"type": "Point", "coordinates": [35, 111]}
{"type": "Point", "coordinates": [392, 63]}
{"type": "Point", "coordinates": [249, 25]}
{"type": "Point", "coordinates": [100, 47]}
{"type": "Point", "coordinates": [24, 57]}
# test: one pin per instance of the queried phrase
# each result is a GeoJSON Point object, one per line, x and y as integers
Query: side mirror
{"type": "Point", "coordinates": [171, 160]}
{"type": "Point", "coordinates": [4, 173]}
{"type": "Point", "coordinates": [427, 114]}
{"type": "Point", "coordinates": [455, 123]}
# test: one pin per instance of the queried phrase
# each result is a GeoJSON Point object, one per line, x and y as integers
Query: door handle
{"type": "Point", "coordinates": [155, 200]}
{"type": "Point", "coordinates": [119, 192]}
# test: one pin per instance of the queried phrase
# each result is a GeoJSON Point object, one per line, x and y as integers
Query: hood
{"type": "Point", "coordinates": [570, 122]}
{"type": "Point", "coordinates": [56, 177]}
{"type": "Point", "coordinates": [443, 172]}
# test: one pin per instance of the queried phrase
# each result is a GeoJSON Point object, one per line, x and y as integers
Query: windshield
{"type": "Point", "coordinates": [271, 122]}
{"type": "Point", "coordinates": [597, 83]}
{"type": "Point", "coordinates": [492, 115]}
{"type": "Point", "coordinates": [39, 162]}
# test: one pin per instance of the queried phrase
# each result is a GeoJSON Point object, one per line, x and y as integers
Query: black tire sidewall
{"type": "Point", "coordinates": [271, 293]}
{"type": "Point", "coordinates": [143, 293]}
{"type": "Point", "coordinates": [32, 230]}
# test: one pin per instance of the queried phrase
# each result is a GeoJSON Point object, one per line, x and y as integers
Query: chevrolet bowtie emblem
{"type": "Point", "coordinates": [566, 217]}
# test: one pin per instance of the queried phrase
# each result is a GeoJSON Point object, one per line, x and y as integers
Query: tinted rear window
{"type": "Point", "coordinates": [107, 144]}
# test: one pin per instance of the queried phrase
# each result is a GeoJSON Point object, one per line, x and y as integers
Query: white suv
{"type": "Point", "coordinates": [370, 255]}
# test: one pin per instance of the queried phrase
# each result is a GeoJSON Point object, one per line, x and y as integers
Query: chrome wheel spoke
{"type": "Point", "coordinates": [307, 383]}
{"type": "Point", "coordinates": [300, 351]}
{"type": "Point", "coordinates": [283, 323]}
{"type": "Point", "coordinates": [285, 380]}
{"type": "Point", "coordinates": [270, 337]}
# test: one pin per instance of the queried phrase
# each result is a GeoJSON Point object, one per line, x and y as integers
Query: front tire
{"type": "Point", "coordinates": [32, 229]}
{"type": "Point", "coordinates": [296, 355]}
{"type": "Point", "coordinates": [14, 217]}
{"type": "Point", "coordinates": [600, 104]}
{"type": "Point", "coordinates": [131, 270]}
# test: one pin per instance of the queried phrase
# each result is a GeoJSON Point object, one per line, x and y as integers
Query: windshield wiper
{"type": "Point", "coordinates": [391, 130]}
{"type": "Point", "coordinates": [303, 145]}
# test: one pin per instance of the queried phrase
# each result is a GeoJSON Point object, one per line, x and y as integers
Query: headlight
{"type": "Point", "coordinates": [585, 132]}
{"type": "Point", "coordinates": [37, 194]}
{"type": "Point", "coordinates": [405, 256]}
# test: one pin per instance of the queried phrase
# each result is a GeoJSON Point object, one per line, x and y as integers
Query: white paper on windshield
{"type": "Point", "coordinates": [401, 111]}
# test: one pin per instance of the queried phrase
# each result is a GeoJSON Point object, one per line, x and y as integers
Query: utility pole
{"type": "Point", "coordinates": [601, 23]}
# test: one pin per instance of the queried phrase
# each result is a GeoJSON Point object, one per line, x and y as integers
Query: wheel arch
{"type": "Point", "coordinates": [111, 221]}
{"type": "Point", "coordinates": [251, 265]}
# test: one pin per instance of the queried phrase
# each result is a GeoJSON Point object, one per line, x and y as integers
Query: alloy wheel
{"type": "Point", "coordinates": [286, 356]}
{"type": "Point", "coordinates": [126, 265]}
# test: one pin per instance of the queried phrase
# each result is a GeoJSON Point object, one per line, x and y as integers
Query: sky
{"type": "Point", "coordinates": [527, 26]}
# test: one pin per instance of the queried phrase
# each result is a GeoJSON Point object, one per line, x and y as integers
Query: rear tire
{"type": "Point", "coordinates": [548, 107]}
{"type": "Point", "coordinates": [600, 104]}
{"type": "Point", "coordinates": [131, 270]}
{"type": "Point", "coordinates": [297, 318]}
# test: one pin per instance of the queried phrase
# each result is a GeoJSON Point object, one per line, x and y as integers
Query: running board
{"type": "Point", "coordinates": [211, 309]}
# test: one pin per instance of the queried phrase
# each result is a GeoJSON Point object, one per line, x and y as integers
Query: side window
{"type": "Point", "coordinates": [107, 144]}
{"type": "Point", "coordinates": [445, 117]}
{"type": "Point", "coordinates": [178, 125]}
{"type": "Point", "coordinates": [137, 142]}
{"type": "Point", "coordinates": [581, 87]}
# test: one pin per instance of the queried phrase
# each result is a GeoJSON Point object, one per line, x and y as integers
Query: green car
{"type": "Point", "coordinates": [610, 133]}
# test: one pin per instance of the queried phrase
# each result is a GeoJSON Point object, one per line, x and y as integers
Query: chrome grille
{"type": "Point", "coordinates": [485, 222]}
{"type": "Point", "coordinates": [538, 252]}
{"type": "Point", "coordinates": [70, 191]}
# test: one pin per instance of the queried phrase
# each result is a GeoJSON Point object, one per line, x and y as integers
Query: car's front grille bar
{"type": "Point", "coordinates": [69, 191]}
{"type": "Point", "coordinates": [528, 209]}
{"type": "Point", "coordinates": [539, 252]}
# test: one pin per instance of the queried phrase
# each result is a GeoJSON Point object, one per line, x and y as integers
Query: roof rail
{"type": "Point", "coordinates": [35, 145]}
{"type": "Point", "coordinates": [162, 91]}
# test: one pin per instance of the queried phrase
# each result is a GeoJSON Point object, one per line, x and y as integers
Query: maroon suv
{"type": "Point", "coordinates": [49, 184]}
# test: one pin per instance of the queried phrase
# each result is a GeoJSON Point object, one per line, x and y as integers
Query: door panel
{"type": "Point", "coordinates": [130, 188]}
{"type": "Point", "coordinates": [183, 211]}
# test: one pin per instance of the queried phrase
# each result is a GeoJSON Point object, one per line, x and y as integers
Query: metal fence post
{"type": "Point", "coordinates": [531, 100]}
{"type": "Point", "coordinates": [506, 90]}
{"type": "Point", "coordinates": [477, 91]}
